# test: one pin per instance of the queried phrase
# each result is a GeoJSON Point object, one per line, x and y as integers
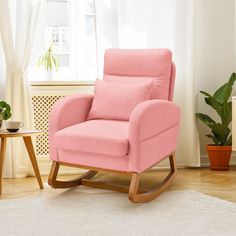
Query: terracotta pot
{"type": "Point", "coordinates": [219, 156]}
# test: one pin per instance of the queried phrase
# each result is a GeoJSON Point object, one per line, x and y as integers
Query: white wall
{"type": "Point", "coordinates": [215, 51]}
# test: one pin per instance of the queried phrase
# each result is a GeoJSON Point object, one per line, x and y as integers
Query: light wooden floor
{"type": "Point", "coordinates": [214, 183]}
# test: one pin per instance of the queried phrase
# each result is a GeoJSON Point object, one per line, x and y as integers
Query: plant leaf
{"type": "Point", "coordinates": [5, 110]}
{"type": "Point", "coordinates": [213, 138]}
{"type": "Point", "coordinates": [221, 132]}
{"type": "Point", "coordinates": [223, 93]}
{"type": "Point", "coordinates": [205, 93]}
{"type": "Point", "coordinates": [214, 104]}
{"type": "Point", "coordinates": [207, 120]}
{"type": "Point", "coordinates": [229, 141]}
{"type": "Point", "coordinates": [6, 115]}
{"type": "Point", "coordinates": [48, 60]}
{"type": "Point", "coordinates": [226, 113]}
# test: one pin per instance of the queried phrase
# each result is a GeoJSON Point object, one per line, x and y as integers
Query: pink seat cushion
{"type": "Point", "coordinates": [116, 101]}
{"type": "Point", "coordinates": [107, 137]}
{"type": "Point", "coordinates": [132, 64]}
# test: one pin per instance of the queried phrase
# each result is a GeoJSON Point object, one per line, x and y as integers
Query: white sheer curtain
{"type": "Point", "coordinates": [155, 24]}
{"type": "Point", "coordinates": [18, 21]}
{"type": "Point", "coordinates": [2, 72]}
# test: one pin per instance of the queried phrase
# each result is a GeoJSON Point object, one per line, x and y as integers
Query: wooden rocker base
{"type": "Point", "coordinates": [53, 182]}
{"type": "Point", "coordinates": [135, 194]}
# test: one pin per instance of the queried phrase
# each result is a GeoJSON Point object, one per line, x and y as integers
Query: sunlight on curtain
{"type": "Point", "coordinates": [83, 40]}
{"type": "Point", "coordinates": [157, 24]}
{"type": "Point", "coordinates": [2, 73]}
{"type": "Point", "coordinates": [17, 28]}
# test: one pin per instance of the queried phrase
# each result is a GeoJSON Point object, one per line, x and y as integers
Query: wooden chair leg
{"type": "Point", "coordinates": [53, 182]}
{"type": "Point", "coordinates": [136, 197]}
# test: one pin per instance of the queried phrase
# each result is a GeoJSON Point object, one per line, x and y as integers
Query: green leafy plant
{"type": "Point", "coordinates": [5, 110]}
{"type": "Point", "coordinates": [219, 101]}
{"type": "Point", "coordinates": [49, 60]}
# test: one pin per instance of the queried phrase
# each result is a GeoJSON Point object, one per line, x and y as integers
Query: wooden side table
{"type": "Point", "coordinates": [26, 135]}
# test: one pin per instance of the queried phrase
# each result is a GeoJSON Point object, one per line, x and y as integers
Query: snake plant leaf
{"type": "Point", "coordinates": [207, 120]}
{"type": "Point", "coordinates": [223, 93]}
{"type": "Point", "coordinates": [221, 132]}
{"type": "Point", "coordinates": [205, 93]}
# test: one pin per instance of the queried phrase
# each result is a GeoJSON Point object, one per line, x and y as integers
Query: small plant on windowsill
{"type": "Point", "coordinates": [5, 112]}
{"type": "Point", "coordinates": [220, 152]}
{"type": "Point", "coordinates": [49, 61]}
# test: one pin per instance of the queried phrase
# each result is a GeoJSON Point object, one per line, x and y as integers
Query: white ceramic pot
{"type": "Point", "coordinates": [50, 74]}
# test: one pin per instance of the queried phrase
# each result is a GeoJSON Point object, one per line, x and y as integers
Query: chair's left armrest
{"type": "Point", "coordinates": [68, 111]}
{"type": "Point", "coordinates": [148, 120]}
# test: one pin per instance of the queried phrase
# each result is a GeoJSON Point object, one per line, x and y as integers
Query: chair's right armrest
{"type": "Point", "coordinates": [148, 120]}
{"type": "Point", "coordinates": [68, 111]}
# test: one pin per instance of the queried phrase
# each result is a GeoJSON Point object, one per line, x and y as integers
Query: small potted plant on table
{"type": "Point", "coordinates": [220, 151]}
{"type": "Point", "coordinates": [5, 112]}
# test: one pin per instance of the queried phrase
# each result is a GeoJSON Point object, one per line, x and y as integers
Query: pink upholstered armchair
{"type": "Point", "coordinates": [127, 126]}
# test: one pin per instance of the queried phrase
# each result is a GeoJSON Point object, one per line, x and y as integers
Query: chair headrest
{"type": "Point", "coordinates": [138, 62]}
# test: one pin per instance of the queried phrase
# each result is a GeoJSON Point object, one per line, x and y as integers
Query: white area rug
{"type": "Point", "coordinates": [84, 211]}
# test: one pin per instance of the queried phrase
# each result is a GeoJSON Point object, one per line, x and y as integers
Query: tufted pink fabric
{"type": "Point", "coordinates": [134, 145]}
{"type": "Point", "coordinates": [114, 101]}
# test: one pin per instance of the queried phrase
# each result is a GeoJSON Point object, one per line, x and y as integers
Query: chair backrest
{"type": "Point", "coordinates": [129, 64]}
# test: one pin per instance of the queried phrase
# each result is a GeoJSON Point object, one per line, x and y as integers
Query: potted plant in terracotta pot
{"type": "Point", "coordinates": [5, 112]}
{"type": "Point", "coordinates": [220, 151]}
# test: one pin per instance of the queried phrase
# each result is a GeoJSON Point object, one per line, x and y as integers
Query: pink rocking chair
{"type": "Point", "coordinates": [128, 146]}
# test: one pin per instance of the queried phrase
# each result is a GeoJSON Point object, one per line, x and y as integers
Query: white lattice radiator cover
{"type": "Point", "coordinates": [42, 106]}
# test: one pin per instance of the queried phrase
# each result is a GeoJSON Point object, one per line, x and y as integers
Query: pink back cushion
{"type": "Point", "coordinates": [125, 65]}
{"type": "Point", "coordinates": [115, 101]}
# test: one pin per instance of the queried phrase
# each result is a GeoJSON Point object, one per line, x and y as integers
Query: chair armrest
{"type": "Point", "coordinates": [148, 120]}
{"type": "Point", "coordinates": [68, 111]}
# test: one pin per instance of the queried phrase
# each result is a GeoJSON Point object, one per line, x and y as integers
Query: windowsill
{"type": "Point", "coordinates": [63, 77]}
{"type": "Point", "coordinates": [62, 83]}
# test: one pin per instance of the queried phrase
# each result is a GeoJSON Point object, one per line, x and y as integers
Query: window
{"type": "Point", "coordinates": [69, 26]}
